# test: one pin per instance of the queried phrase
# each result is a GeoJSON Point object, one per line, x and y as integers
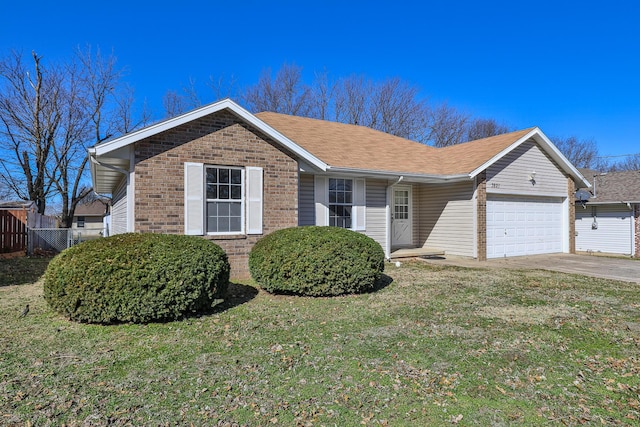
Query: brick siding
{"type": "Point", "coordinates": [481, 193]}
{"type": "Point", "coordinates": [571, 190]}
{"type": "Point", "coordinates": [219, 139]}
{"type": "Point", "coordinates": [637, 237]}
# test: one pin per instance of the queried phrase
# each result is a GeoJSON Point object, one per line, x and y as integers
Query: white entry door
{"type": "Point", "coordinates": [401, 221]}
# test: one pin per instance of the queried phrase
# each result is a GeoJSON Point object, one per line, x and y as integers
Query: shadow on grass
{"type": "Point", "coordinates": [22, 270]}
{"type": "Point", "coordinates": [237, 294]}
{"type": "Point", "coordinates": [382, 283]}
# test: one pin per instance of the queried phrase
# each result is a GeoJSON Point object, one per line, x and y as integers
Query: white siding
{"type": "Point", "coordinates": [446, 217]}
{"type": "Point", "coordinates": [306, 201]}
{"type": "Point", "coordinates": [377, 211]}
{"type": "Point", "coordinates": [613, 233]}
{"type": "Point", "coordinates": [119, 209]}
{"type": "Point", "coordinates": [510, 174]}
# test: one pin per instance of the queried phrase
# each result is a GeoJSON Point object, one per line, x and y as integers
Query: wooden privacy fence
{"type": "Point", "coordinates": [13, 230]}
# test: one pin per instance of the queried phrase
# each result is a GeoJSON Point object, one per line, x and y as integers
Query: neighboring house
{"type": "Point", "coordinates": [88, 219]}
{"type": "Point", "coordinates": [610, 221]}
{"type": "Point", "coordinates": [232, 176]}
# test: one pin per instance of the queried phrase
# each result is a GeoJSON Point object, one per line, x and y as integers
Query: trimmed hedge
{"type": "Point", "coordinates": [136, 278]}
{"type": "Point", "coordinates": [316, 261]}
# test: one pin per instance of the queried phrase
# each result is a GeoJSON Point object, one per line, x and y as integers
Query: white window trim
{"type": "Point", "coordinates": [358, 201]}
{"type": "Point", "coordinates": [242, 201]}
{"type": "Point", "coordinates": [195, 202]}
{"type": "Point", "coordinates": [351, 205]}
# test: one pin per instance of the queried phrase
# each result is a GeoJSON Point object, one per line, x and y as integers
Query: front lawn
{"type": "Point", "coordinates": [435, 346]}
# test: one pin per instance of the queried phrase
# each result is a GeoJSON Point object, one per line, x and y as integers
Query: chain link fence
{"type": "Point", "coordinates": [49, 239]}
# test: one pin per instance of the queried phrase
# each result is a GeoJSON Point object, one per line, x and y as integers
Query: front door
{"type": "Point", "coordinates": [401, 222]}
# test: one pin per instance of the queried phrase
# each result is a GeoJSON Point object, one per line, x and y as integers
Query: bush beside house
{"type": "Point", "coordinates": [316, 261]}
{"type": "Point", "coordinates": [136, 278]}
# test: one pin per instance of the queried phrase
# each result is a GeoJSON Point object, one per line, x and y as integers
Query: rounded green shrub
{"type": "Point", "coordinates": [136, 278]}
{"type": "Point", "coordinates": [316, 261]}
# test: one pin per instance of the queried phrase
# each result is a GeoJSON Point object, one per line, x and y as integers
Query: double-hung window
{"type": "Point", "coordinates": [340, 202]}
{"type": "Point", "coordinates": [224, 200]}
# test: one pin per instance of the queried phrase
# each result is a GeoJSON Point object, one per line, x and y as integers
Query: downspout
{"type": "Point", "coordinates": [387, 249]}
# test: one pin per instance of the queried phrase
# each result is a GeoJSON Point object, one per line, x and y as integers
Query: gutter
{"type": "Point", "coordinates": [427, 178]}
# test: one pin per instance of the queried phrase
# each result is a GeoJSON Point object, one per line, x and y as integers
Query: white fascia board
{"type": "Point", "coordinates": [413, 177]}
{"type": "Point", "coordinates": [114, 144]}
{"type": "Point", "coordinates": [549, 147]}
{"type": "Point", "coordinates": [621, 202]}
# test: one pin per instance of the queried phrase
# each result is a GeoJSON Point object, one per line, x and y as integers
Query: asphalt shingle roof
{"type": "Point", "coordinates": [359, 147]}
{"type": "Point", "coordinates": [615, 187]}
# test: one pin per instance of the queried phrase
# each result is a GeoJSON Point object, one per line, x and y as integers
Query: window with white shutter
{"type": "Point", "coordinates": [340, 202]}
{"type": "Point", "coordinates": [222, 200]}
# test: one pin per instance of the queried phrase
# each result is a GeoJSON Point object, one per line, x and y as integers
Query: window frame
{"type": "Point", "coordinates": [343, 204]}
{"type": "Point", "coordinates": [81, 221]}
{"type": "Point", "coordinates": [241, 200]}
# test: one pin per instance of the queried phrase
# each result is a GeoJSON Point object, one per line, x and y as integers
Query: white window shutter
{"type": "Point", "coordinates": [194, 198]}
{"type": "Point", "coordinates": [359, 205]}
{"type": "Point", "coordinates": [253, 193]}
{"type": "Point", "coordinates": [321, 195]}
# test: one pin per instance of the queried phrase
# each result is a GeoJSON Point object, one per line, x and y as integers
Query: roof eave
{"type": "Point", "coordinates": [408, 176]}
{"type": "Point", "coordinates": [115, 144]}
{"type": "Point", "coordinates": [612, 202]}
{"type": "Point", "coordinates": [552, 150]}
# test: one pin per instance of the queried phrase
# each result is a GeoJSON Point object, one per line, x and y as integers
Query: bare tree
{"type": "Point", "coordinates": [581, 153]}
{"type": "Point", "coordinates": [447, 126]}
{"type": "Point", "coordinates": [30, 121]}
{"type": "Point", "coordinates": [630, 162]}
{"type": "Point", "coordinates": [176, 103]}
{"type": "Point", "coordinates": [223, 87]}
{"type": "Point", "coordinates": [484, 128]}
{"type": "Point", "coordinates": [351, 100]}
{"type": "Point", "coordinates": [392, 105]}
{"type": "Point", "coordinates": [50, 114]}
{"type": "Point", "coordinates": [286, 93]}
{"type": "Point", "coordinates": [322, 91]}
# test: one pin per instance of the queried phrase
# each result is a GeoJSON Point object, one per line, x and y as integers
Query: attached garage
{"type": "Point", "coordinates": [519, 225]}
{"type": "Point", "coordinates": [605, 228]}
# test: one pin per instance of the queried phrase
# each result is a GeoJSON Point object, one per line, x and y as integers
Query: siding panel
{"type": "Point", "coordinates": [446, 217]}
{"type": "Point", "coordinates": [306, 203]}
{"type": "Point", "coordinates": [510, 174]}
{"type": "Point", "coordinates": [119, 209]}
{"type": "Point", "coordinates": [376, 213]}
{"type": "Point", "coordinates": [614, 232]}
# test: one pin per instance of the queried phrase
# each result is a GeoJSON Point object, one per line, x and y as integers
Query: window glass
{"type": "Point", "coordinates": [340, 202]}
{"type": "Point", "coordinates": [224, 200]}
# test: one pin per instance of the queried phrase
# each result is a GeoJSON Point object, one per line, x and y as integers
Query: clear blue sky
{"type": "Point", "coordinates": [569, 67]}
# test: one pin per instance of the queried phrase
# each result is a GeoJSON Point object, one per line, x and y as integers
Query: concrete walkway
{"type": "Point", "coordinates": [623, 269]}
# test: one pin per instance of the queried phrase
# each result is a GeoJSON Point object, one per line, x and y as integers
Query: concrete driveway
{"type": "Point", "coordinates": [624, 269]}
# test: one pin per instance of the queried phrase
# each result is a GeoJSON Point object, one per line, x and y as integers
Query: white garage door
{"type": "Point", "coordinates": [611, 233]}
{"type": "Point", "coordinates": [523, 226]}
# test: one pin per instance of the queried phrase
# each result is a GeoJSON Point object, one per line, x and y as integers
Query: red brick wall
{"type": "Point", "coordinates": [218, 139]}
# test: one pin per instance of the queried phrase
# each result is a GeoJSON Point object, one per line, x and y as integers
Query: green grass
{"type": "Point", "coordinates": [435, 346]}
{"type": "Point", "coordinates": [22, 270]}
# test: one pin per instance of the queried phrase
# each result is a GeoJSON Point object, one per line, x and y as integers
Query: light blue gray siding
{"type": "Point", "coordinates": [306, 204]}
